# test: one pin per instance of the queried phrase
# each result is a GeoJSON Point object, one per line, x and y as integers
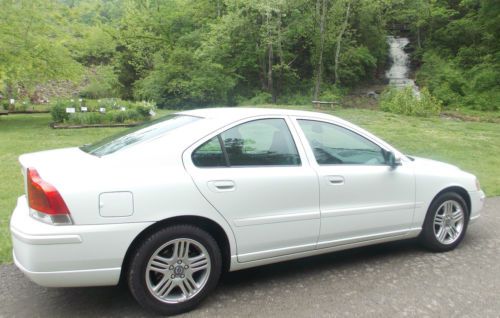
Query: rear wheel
{"type": "Point", "coordinates": [174, 269]}
{"type": "Point", "coordinates": [446, 222]}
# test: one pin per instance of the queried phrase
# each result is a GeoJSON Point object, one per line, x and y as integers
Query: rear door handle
{"type": "Point", "coordinates": [222, 185]}
{"type": "Point", "coordinates": [335, 180]}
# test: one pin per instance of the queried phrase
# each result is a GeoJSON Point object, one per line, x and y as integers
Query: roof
{"type": "Point", "coordinates": [242, 112]}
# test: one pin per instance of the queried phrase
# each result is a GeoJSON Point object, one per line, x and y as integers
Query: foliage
{"type": "Point", "coordinates": [260, 98]}
{"type": "Point", "coordinates": [33, 45]}
{"type": "Point", "coordinates": [112, 117]}
{"type": "Point", "coordinates": [458, 47]}
{"type": "Point", "coordinates": [186, 53]}
{"type": "Point", "coordinates": [58, 111]}
{"type": "Point", "coordinates": [407, 102]}
{"type": "Point", "coordinates": [115, 111]}
{"type": "Point", "coordinates": [185, 80]}
{"type": "Point", "coordinates": [103, 83]}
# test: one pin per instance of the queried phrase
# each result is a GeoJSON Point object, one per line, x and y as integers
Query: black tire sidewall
{"type": "Point", "coordinates": [136, 274]}
{"type": "Point", "coordinates": [428, 238]}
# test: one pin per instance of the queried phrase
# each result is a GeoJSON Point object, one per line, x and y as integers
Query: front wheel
{"type": "Point", "coordinates": [174, 269]}
{"type": "Point", "coordinates": [445, 223]}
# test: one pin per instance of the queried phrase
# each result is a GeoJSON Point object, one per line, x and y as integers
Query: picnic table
{"type": "Point", "coordinates": [318, 104]}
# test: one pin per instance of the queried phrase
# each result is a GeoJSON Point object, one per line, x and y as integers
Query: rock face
{"type": "Point", "coordinates": [43, 93]}
{"type": "Point", "coordinates": [52, 89]}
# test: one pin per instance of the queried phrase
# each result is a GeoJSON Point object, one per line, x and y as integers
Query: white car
{"type": "Point", "coordinates": [170, 205]}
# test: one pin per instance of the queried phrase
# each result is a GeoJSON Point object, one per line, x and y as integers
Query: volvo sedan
{"type": "Point", "coordinates": [168, 206]}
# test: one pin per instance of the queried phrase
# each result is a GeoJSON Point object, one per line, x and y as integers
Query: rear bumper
{"type": "Point", "coordinates": [75, 278]}
{"type": "Point", "coordinates": [69, 256]}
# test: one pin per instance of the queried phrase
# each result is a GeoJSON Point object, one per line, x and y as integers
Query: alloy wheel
{"type": "Point", "coordinates": [449, 222]}
{"type": "Point", "coordinates": [178, 270]}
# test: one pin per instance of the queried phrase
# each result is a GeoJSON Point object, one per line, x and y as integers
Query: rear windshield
{"type": "Point", "coordinates": [138, 134]}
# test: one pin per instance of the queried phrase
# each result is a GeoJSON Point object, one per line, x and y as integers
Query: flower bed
{"type": "Point", "coordinates": [13, 106]}
{"type": "Point", "coordinates": [100, 113]}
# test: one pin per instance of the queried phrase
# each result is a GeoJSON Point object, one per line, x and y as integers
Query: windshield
{"type": "Point", "coordinates": [138, 134]}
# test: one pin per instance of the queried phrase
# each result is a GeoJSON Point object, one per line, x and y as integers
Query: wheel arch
{"type": "Point", "coordinates": [209, 225]}
{"type": "Point", "coordinates": [458, 190]}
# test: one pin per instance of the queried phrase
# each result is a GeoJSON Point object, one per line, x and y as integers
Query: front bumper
{"type": "Point", "coordinates": [477, 199]}
{"type": "Point", "coordinates": [70, 256]}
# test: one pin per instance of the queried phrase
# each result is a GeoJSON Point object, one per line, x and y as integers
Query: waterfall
{"type": "Point", "coordinates": [398, 72]}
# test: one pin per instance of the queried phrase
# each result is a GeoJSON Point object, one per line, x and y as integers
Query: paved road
{"type": "Point", "coordinates": [389, 280]}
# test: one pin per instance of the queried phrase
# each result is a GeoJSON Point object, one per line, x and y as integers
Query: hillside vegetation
{"type": "Point", "coordinates": [192, 53]}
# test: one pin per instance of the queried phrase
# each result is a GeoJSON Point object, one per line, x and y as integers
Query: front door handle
{"type": "Point", "coordinates": [222, 185]}
{"type": "Point", "coordinates": [335, 180]}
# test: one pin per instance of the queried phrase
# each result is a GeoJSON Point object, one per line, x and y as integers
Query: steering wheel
{"type": "Point", "coordinates": [324, 157]}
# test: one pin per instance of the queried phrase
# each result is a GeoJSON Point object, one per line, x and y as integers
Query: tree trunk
{"type": "Point", "coordinates": [270, 85]}
{"type": "Point", "coordinates": [270, 58]}
{"type": "Point", "coordinates": [263, 71]}
{"type": "Point", "coordinates": [419, 45]}
{"type": "Point", "coordinates": [319, 71]}
{"type": "Point", "coordinates": [339, 40]}
{"type": "Point", "coordinates": [219, 8]}
{"type": "Point", "coordinates": [280, 58]}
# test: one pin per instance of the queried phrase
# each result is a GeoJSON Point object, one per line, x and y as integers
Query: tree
{"type": "Point", "coordinates": [33, 45]}
{"type": "Point", "coordinates": [321, 10]}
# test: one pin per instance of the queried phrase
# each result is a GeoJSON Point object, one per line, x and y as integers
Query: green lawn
{"type": "Point", "coordinates": [473, 146]}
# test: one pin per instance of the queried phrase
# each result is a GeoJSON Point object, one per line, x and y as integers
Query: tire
{"type": "Point", "coordinates": [445, 223]}
{"type": "Point", "coordinates": [166, 277]}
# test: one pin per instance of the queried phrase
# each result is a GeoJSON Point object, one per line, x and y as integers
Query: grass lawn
{"type": "Point", "coordinates": [473, 146]}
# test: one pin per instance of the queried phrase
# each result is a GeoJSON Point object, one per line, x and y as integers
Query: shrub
{"type": "Point", "coordinates": [103, 82]}
{"type": "Point", "coordinates": [261, 98]}
{"type": "Point", "coordinates": [406, 101]}
{"type": "Point", "coordinates": [58, 112]}
{"type": "Point", "coordinates": [117, 111]}
{"type": "Point", "coordinates": [295, 99]}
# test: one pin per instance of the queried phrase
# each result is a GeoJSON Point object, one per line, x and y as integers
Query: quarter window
{"type": "Point", "coordinates": [333, 144]}
{"type": "Point", "coordinates": [209, 154]}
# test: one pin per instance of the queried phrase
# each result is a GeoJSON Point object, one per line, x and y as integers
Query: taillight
{"type": "Point", "coordinates": [46, 204]}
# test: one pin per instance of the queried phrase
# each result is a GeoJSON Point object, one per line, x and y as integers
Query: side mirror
{"type": "Point", "coordinates": [392, 160]}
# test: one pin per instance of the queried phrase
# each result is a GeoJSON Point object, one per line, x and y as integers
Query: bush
{"type": "Point", "coordinates": [103, 82]}
{"type": "Point", "coordinates": [405, 101]}
{"type": "Point", "coordinates": [443, 78]}
{"type": "Point", "coordinates": [261, 98]}
{"type": "Point", "coordinates": [117, 111]}
{"type": "Point", "coordinates": [476, 87]}
{"type": "Point", "coordinates": [295, 99]}
{"type": "Point", "coordinates": [58, 112]}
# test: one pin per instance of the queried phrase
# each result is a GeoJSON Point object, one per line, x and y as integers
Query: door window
{"type": "Point", "coordinates": [264, 142]}
{"type": "Point", "coordinates": [333, 144]}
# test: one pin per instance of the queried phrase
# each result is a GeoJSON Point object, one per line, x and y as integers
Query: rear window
{"type": "Point", "coordinates": [138, 134]}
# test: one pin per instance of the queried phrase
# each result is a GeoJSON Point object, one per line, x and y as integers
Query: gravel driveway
{"type": "Point", "coordinates": [390, 280]}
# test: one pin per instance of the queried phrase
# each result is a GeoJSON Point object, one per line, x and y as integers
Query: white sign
{"type": "Point", "coordinates": [70, 110]}
{"type": "Point", "coordinates": [102, 110]}
{"type": "Point", "coordinates": [123, 109]}
{"type": "Point", "coordinates": [12, 101]}
{"type": "Point", "coordinates": [83, 109]}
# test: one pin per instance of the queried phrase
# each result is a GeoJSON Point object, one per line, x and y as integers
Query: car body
{"type": "Point", "coordinates": [268, 185]}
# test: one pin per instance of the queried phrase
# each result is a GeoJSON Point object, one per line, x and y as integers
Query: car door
{"type": "Point", "coordinates": [362, 197]}
{"type": "Point", "coordinates": [257, 177]}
